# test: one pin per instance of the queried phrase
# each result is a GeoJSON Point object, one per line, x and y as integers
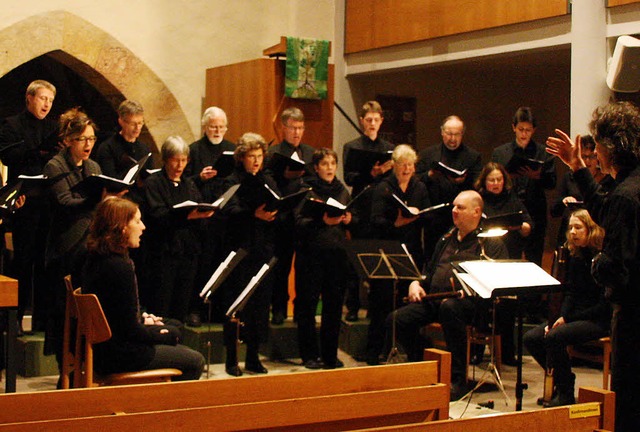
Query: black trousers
{"type": "Point", "coordinates": [453, 314]}
{"type": "Point", "coordinates": [553, 346]}
{"type": "Point", "coordinates": [320, 273]}
{"type": "Point", "coordinates": [625, 379]}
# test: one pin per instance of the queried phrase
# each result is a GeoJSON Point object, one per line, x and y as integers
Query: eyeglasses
{"type": "Point", "coordinates": [216, 128]}
{"type": "Point", "coordinates": [83, 139]}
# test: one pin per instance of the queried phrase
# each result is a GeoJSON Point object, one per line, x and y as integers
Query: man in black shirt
{"type": "Point", "coordinates": [204, 155]}
{"type": "Point", "coordinates": [371, 118]}
{"type": "Point", "coordinates": [289, 181]}
{"type": "Point", "coordinates": [445, 185]}
{"type": "Point", "coordinates": [27, 142]}
{"type": "Point", "coordinates": [118, 153]}
{"type": "Point", "coordinates": [459, 244]}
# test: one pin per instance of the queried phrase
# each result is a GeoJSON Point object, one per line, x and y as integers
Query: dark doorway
{"type": "Point", "coordinates": [71, 90]}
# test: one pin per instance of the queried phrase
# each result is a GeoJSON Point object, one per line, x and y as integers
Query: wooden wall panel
{"type": "Point", "coordinates": [384, 23]}
{"type": "Point", "coordinates": [612, 3]}
{"type": "Point", "coordinates": [251, 93]}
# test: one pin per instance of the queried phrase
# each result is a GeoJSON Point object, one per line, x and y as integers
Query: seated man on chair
{"type": "Point", "coordinates": [459, 244]}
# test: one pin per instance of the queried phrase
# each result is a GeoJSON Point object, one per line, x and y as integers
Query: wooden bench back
{"type": "Point", "coordinates": [205, 394]}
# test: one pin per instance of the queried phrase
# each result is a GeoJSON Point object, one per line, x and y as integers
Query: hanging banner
{"type": "Point", "coordinates": [307, 68]}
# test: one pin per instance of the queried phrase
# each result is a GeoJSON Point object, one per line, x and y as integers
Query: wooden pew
{"type": "Point", "coordinates": [321, 400]}
{"type": "Point", "coordinates": [594, 412]}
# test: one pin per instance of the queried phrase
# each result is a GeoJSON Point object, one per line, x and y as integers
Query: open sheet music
{"type": "Point", "coordinates": [507, 277]}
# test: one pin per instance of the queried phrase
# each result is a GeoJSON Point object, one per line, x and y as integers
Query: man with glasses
{"type": "Point", "coordinates": [447, 168]}
{"type": "Point", "coordinates": [288, 181]}
{"type": "Point", "coordinates": [118, 153]}
{"type": "Point", "coordinates": [27, 142]}
{"type": "Point", "coordinates": [204, 155]}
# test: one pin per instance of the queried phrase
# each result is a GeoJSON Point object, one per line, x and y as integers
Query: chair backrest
{"type": "Point", "coordinates": [92, 328]}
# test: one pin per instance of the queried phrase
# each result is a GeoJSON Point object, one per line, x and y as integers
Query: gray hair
{"type": "Point", "coordinates": [213, 112]}
{"type": "Point", "coordinates": [173, 146]}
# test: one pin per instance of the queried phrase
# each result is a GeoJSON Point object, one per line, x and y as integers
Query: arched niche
{"type": "Point", "coordinates": [107, 65]}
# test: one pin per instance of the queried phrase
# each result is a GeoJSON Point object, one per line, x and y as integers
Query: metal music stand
{"type": "Point", "coordinates": [492, 279]}
{"type": "Point", "coordinates": [240, 302]}
{"type": "Point", "coordinates": [214, 282]}
{"type": "Point", "coordinates": [386, 260]}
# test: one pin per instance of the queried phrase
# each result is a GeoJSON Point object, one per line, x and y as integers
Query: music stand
{"type": "Point", "coordinates": [491, 279]}
{"type": "Point", "coordinates": [214, 282]}
{"type": "Point", "coordinates": [240, 302]}
{"type": "Point", "coordinates": [386, 260]}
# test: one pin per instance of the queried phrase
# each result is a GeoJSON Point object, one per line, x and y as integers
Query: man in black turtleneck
{"type": "Point", "coordinates": [118, 153]}
{"type": "Point", "coordinates": [371, 118]}
{"type": "Point", "coordinates": [27, 142]}
{"type": "Point", "coordinates": [445, 186]}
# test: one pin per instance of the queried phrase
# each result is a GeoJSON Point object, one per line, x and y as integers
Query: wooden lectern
{"type": "Point", "coordinates": [252, 95]}
{"type": "Point", "coordinates": [9, 300]}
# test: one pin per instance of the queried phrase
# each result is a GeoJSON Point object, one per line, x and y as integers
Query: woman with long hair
{"type": "Point", "coordinates": [585, 313]}
{"type": "Point", "coordinates": [139, 341]}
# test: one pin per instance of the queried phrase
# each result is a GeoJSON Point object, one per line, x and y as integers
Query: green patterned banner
{"type": "Point", "coordinates": [307, 68]}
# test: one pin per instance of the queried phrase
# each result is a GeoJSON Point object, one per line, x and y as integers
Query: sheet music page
{"type": "Point", "coordinates": [216, 274]}
{"type": "Point", "coordinates": [497, 274]}
{"type": "Point", "coordinates": [254, 280]}
{"type": "Point", "coordinates": [132, 171]}
{"type": "Point", "coordinates": [474, 284]}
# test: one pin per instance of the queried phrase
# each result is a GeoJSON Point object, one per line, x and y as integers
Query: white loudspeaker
{"type": "Point", "coordinates": [624, 66]}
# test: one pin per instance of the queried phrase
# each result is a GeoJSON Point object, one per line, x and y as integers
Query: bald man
{"type": "Point", "coordinates": [459, 244]}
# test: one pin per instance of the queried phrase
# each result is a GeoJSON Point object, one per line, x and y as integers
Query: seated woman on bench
{"type": "Point", "coordinates": [138, 342]}
{"type": "Point", "coordinates": [585, 314]}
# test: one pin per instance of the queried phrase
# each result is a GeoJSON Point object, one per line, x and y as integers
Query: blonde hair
{"type": "Point", "coordinates": [595, 233]}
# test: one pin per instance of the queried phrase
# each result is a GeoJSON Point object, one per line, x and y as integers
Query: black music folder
{"type": "Point", "coordinates": [284, 203]}
{"type": "Point", "coordinates": [279, 162]}
{"type": "Point", "coordinates": [447, 170]}
{"type": "Point", "coordinates": [316, 207]}
{"type": "Point", "coordinates": [94, 184]}
{"type": "Point", "coordinates": [362, 161]}
{"type": "Point", "coordinates": [407, 212]}
{"type": "Point", "coordinates": [519, 161]}
{"type": "Point", "coordinates": [8, 196]}
{"type": "Point", "coordinates": [38, 184]}
{"type": "Point", "coordinates": [225, 164]}
{"type": "Point", "coordinates": [188, 206]}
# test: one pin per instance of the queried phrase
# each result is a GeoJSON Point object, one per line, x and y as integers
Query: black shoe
{"type": "Point", "coordinates": [313, 364]}
{"type": "Point", "coordinates": [193, 320]}
{"type": "Point", "coordinates": [334, 365]}
{"type": "Point", "coordinates": [277, 318]}
{"type": "Point", "coordinates": [560, 400]}
{"type": "Point", "coordinates": [352, 316]}
{"type": "Point", "coordinates": [255, 367]}
{"type": "Point", "coordinates": [233, 370]}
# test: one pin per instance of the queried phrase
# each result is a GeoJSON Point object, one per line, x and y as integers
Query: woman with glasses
{"type": "Point", "coordinates": [72, 211]}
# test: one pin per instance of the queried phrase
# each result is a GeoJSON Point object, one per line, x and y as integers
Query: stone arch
{"type": "Point", "coordinates": [101, 60]}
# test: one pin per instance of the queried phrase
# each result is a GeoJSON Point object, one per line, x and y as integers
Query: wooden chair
{"type": "Point", "coordinates": [93, 328]}
{"type": "Point", "coordinates": [603, 356]}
